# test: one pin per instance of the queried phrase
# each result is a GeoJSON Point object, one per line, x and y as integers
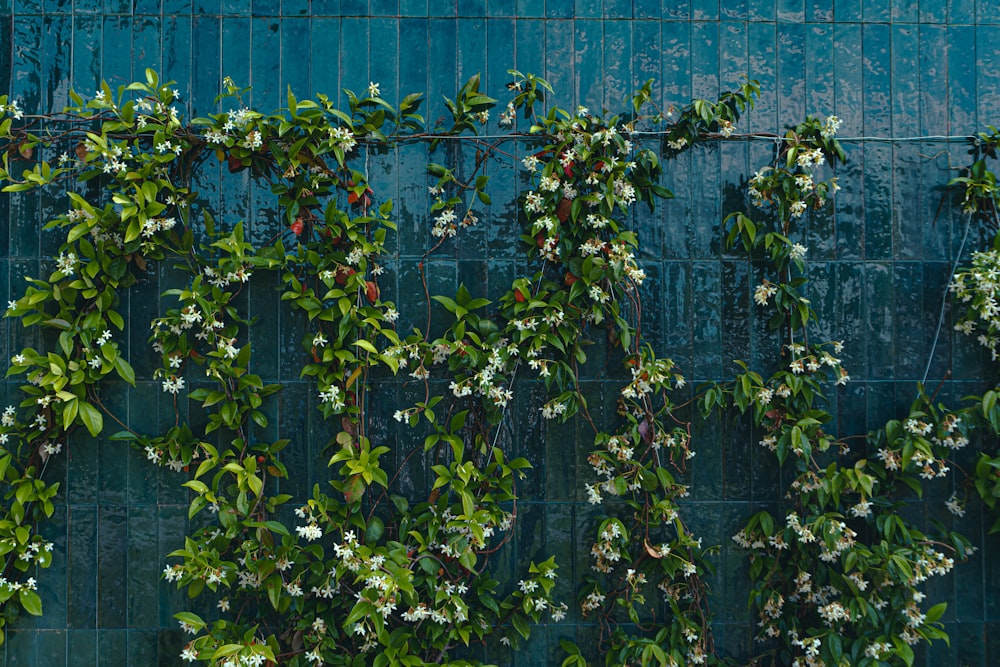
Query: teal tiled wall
{"type": "Point", "coordinates": [879, 265]}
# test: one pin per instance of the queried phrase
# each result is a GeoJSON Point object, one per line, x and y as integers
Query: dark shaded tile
{"type": "Point", "coordinates": [82, 577]}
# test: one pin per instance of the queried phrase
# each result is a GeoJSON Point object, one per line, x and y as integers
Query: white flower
{"type": "Point", "coordinates": [310, 532]}
{"type": "Point", "coordinates": [373, 89]}
{"type": "Point", "coordinates": [189, 654]}
{"type": "Point", "coordinates": [955, 506]}
{"type": "Point", "coordinates": [764, 292]}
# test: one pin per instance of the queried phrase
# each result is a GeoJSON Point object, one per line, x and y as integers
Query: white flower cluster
{"type": "Point", "coordinates": [333, 396]}
{"type": "Point", "coordinates": [979, 286]}
{"type": "Point", "coordinates": [343, 138]}
{"type": "Point", "coordinates": [606, 551]}
{"type": "Point", "coordinates": [445, 224]}
{"type": "Point", "coordinates": [66, 264]}
{"type": "Point", "coordinates": [810, 157]}
{"type": "Point", "coordinates": [13, 109]}
{"type": "Point", "coordinates": [763, 292]}
{"type": "Point", "coordinates": [153, 225]}
{"type": "Point", "coordinates": [13, 586]}
{"type": "Point", "coordinates": [830, 127]}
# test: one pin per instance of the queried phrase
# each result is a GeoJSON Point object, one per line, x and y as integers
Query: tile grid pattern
{"type": "Point", "coordinates": [879, 265]}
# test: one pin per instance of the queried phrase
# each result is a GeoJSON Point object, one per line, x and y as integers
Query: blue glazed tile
{"type": "Point", "coordinates": [734, 58]}
{"type": "Point", "coordinates": [327, 7]}
{"type": "Point", "coordinates": [762, 67]}
{"type": "Point", "coordinates": [112, 647]}
{"type": "Point", "coordinates": [112, 564]}
{"type": "Point", "coordinates": [589, 60]}
{"type": "Point", "coordinates": [301, 7]}
{"type": "Point", "coordinates": [820, 77]}
{"type": "Point", "coordinates": [531, 8]}
{"type": "Point", "coordinates": [144, 567]}
{"type": "Point", "coordinates": [819, 10]}
{"type": "Point", "coordinates": [81, 647]}
{"type": "Point", "coordinates": [470, 35]}
{"type": "Point", "coordinates": [705, 10]}
{"type": "Point", "coordinates": [82, 470]}
{"type": "Point", "coordinates": [146, 52]}
{"type": "Point", "coordinates": [735, 11]}
{"type": "Point", "coordinates": [791, 84]}
{"type": "Point", "coordinates": [176, 49]}
{"type": "Point", "coordinates": [295, 50]}
{"type": "Point", "coordinates": [647, 9]}
{"type": "Point", "coordinates": [267, 93]}
{"type": "Point", "coordinates": [617, 9]}
{"type": "Point", "coordinates": [879, 318]}
{"type": "Point", "coordinates": [877, 10]}
{"type": "Point", "coordinates": [962, 11]}
{"type": "Point", "coordinates": [325, 59]}
{"type": "Point", "coordinates": [907, 223]}
{"type": "Point", "coordinates": [933, 80]}
{"type": "Point", "coordinates": [416, 8]}
{"type": "Point", "coordinates": [58, 51]}
{"type": "Point", "coordinates": [847, 10]}
{"type": "Point", "coordinates": [850, 324]}
{"type": "Point", "coordinates": [878, 203]}
{"type": "Point", "coordinates": [849, 92]}
{"type": "Point", "coordinates": [962, 83]}
{"type": "Point", "coordinates": [501, 8]}
{"type": "Point", "coordinates": [262, 8]}
{"type": "Point", "coordinates": [676, 11]}
{"type": "Point", "coordinates": [20, 647]}
{"type": "Point", "coordinates": [81, 606]}
{"type": "Point", "coordinates": [735, 315]}
{"type": "Point", "coordinates": [560, 65]}
{"type": "Point", "coordinates": [677, 304]}
{"type": "Point", "coordinates": [792, 11]}
{"type": "Point", "coordinates": [207, 7]}
{"type": "Point", "coordinates": [472, 8]}
{"type": "Point", "coordinates": [912, 336]}
{"type": "Point", "coordinates": [705, 60]}
{"type": "Point", "coordinates": [589, 9]}
{"type": "Point", "coordinates": [877, 80]}
{"type": "Point", "coordinates": [933, 11]}
{"type": "Point", "coordinates": [354, 61]}
{"type": "Point", "coordinates": [987, 79]}
{"type": "Point", "coordinates": [703, 239]}
{"type": "Point", "coordinates": [237, 8]}
{"type": "Point", "coordinates": [143, 647]}
{"type": "Point", "coordinates": [905, 80]}
{"type": "Point", "coordinates": [705, 330]}
{"type": "Point", "coordinates": [354, 7]}
{"type": "Point", "coordinates": [908, 12]}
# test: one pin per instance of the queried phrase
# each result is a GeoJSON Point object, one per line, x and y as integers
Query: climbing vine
{"type": "Point", "coordinates": [359, 571]}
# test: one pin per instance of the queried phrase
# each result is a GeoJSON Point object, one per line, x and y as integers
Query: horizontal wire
{"type": "Point", "coordinates": [663, 133]}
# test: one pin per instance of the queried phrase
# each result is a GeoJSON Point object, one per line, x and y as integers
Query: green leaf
{"type": "Point", "coordinates": [91, 417]}
{"type": "Point", "coordinates": [521, 625]}
{"type": "Point", "coordinates": [936, 612]}
{"type": "Point", "coordinates": [125, 370]}
{"type": "Point", "coordinates": [70, 410]}
{"type": "Point", "coordinates": [30, 601]}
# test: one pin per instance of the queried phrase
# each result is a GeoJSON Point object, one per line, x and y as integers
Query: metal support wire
{"type": "Point", "coordinates": [944, 297]}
